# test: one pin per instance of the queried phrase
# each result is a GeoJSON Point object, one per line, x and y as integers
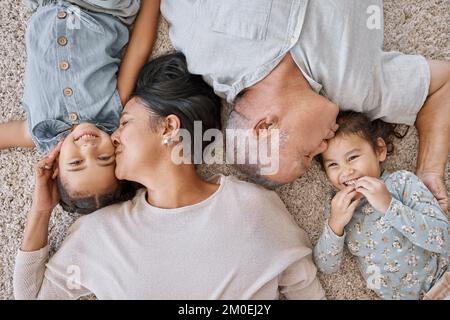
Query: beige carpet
{"type": "Point", "coordinates": [412, 26]}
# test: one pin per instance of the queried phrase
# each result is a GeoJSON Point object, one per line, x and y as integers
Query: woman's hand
{"type": "Point", "coordinates": [45, 195]}
{"type": "Point", "coordinates": [343, 206]}
{"type": "Point", "coordinates": [375, 192]}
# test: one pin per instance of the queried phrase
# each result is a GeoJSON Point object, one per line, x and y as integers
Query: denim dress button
{"type": "Point", "coordinates": [73, 117]}
{"type": "Point", "coordinates": [62, 41]}
{"type": "Point", "coordinates": [62, 14]}
{"type": "Point", "coordinates": [64, 65]}
{"type": "Point", "coordinates": [68, 92]}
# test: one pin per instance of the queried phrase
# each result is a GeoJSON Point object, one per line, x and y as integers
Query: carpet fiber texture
{"type": "Point", "coordinates": [419, 26]}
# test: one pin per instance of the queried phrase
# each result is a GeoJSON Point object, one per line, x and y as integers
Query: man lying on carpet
{"type": "Point", "coordinates": [292, 65]}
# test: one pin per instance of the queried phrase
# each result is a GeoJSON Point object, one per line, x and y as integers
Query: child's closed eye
{"type": "Point", "coordinates": [353, 157]}
{"type": "Point", "coordinates": [75, 162]}
{"type": "Point", "coordinates": [332, 164]}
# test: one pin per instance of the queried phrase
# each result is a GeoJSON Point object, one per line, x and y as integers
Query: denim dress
{"type": "Point", "coordinates": [73, 55]}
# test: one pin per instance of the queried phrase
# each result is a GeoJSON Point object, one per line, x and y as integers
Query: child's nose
{"type": "Point", "coordinates": [90, 143]}
{"type": "Point", "coordinates": [347, 171]}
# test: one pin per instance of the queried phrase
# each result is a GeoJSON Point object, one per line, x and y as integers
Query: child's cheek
{"type": "Point", "coordinates": [335, 181]}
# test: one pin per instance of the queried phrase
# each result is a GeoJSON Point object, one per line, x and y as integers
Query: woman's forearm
{"type": "Point", "coordinates": [36, 231]}
{"type": "Point", "coordinates": [139, 48]}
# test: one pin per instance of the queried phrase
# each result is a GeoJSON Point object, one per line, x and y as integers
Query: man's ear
{"type": "Point", "coordinates": [264, 125]}
{"type": "Point", "coordinates": [381, 149]}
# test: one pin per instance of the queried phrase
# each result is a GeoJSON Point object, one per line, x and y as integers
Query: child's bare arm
{"type": "Point", "coordinates": [139, 48]}
{"type": "Point", "coordinates": [15, 134]}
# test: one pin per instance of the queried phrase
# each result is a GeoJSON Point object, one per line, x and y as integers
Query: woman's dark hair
{"type": "Point", "coordinates": [125, 190]}
{"type": "Point", "coordinates": [166, 87]}
{"type": "Point", "coordinates": [351, 122]}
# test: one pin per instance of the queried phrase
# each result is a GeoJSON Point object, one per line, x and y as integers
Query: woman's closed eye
{"type": "Point", "coordinates": [104, 158]}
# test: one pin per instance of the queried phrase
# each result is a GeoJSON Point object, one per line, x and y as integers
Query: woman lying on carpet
{"type": "Point", "coordinates": [390, 221]}
{"type": "Point", "coordinates": [181, 237]}
{"type": "Point", "coordinates": [73, 53]}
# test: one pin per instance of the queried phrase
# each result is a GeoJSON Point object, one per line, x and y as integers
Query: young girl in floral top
{"type": "Point", "coordinates": [390, 221]}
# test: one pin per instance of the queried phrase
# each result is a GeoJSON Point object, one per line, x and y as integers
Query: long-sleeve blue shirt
{"type": "Point", "coordinates": [401, 253]}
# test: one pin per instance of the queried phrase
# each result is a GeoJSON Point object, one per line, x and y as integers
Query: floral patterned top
{"type": "Point", "coordinates": [401, 253]}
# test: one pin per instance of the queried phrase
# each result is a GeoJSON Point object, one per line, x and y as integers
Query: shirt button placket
{"type": "Point", "coordinates": [62, 41]}
{"type": "Point", "coordinates": [62, 14]}
{"type": "Point", "coordinates": [64, 64]}
{"type": "Point", "coordinates": [73, 117]}
{"type": "Point", "coordinates": [68, 92]}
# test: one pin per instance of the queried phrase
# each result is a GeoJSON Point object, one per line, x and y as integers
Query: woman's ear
{"type": "Point", "coordinates": [172, 125]}
{"type": "Point", "coordinates": [381, 149]}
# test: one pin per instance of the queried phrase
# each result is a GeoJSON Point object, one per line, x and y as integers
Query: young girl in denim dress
{"type": "Point", "coordinates": [74, 49]}
{"type": "Point", "coordinates": [390, 221]}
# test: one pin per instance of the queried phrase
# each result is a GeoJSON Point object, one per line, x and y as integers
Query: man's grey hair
{"type": "Point", "coordinates": [237, 120]}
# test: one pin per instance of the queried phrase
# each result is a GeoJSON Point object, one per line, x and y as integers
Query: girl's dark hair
{"type": "Point", "coordinates": [126, 190]}
{"type": "Point", "coordinates": [351, 122]}
{"type": "Point", "coordinates": [166, 87]}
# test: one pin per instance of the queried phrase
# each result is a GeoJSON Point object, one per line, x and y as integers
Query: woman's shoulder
{"type": "Point", "coordinates": [254, 199]}
{"type": "Point", "coordinates": [264, 213]}
{"type": "Point", "coordinates": [245, 190]}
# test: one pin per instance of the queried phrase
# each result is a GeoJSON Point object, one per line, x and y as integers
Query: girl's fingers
{"type": "Point", "coordinates": [48, 162]}
{"type": "Point", "coordinates": [341, 198]}
{"type": "Point", "coordinates": [45, 164]}
{"type": "Point", "coordinates": [363, 191]}
{"type": "Point", "coordinates": [350, 195]}
{"type": "Point", "coordinates": [55, 173]}
{"type": "Point", "coordinates": [354, 204]}
{"type": "Point", "coordinates": [348, 198]}
{"type": "Point", "coordinates": [55, 152]}
{"type": "Point", "coordinates": [344, 192]}
{"type": "Point", "coordinates": [363, 184]}
{"type": "Point", "coordinates": [348, 189]}
{"type": "Point", "coordinates": [369, 180]}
